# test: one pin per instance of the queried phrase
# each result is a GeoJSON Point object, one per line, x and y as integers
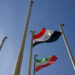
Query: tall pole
{"type": "Point", "coordinates": [3, 42]}
{"type": "Point", "coordinates": [20, 55]}
{"type": "Point", "coordinates": [67, 45]}
{"type": "Point", "coordinates": [34, 64]}
{"type": "Point", "coordinates": [30, 57]}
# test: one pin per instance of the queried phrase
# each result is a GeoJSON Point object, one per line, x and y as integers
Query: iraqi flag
{"type": "Point", "coordinates": [46, 36]}
{"type": "Point", "coordinates": [41, 63]}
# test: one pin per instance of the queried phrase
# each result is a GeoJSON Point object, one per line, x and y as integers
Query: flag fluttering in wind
{"type": "Point", "coordinates": [45, 36]}
{"type": "Point", "coordinates": [41, 63]}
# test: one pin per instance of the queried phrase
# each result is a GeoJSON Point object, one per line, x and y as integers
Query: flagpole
{"type": "Point", "coordinates": [67, 45]}
{"type": "Point", "coordinates": [3, 42]}
{"type": "Point", "coordinates": [20, 55]}
{"type": "Point", "coordinates": [30, 56]}
{"type": "Point", "coordinates": [34, 64]}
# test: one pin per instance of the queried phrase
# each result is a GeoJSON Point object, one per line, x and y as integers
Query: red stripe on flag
{"type": "Point", "coordinates": [52, 60]}
{"type": "Point", "coordinates": [41, 33]}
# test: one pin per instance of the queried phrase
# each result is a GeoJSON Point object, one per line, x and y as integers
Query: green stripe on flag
{"type": "Point", "coordinates": [43, 60]}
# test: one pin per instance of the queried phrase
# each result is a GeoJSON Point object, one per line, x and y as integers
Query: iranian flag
{"type": "Point", "coordinates": [41, 63]}
{"type": "Point", "coordinates": [46, 36]}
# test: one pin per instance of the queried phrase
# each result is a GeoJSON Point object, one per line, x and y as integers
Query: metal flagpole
{"type": "Point", "coordinates": [20, 55]}
{"type": "Point", "coordinates": [3, 42]}
{"type": "Point", "coordinates": [34, 64]}
{"type": "Point", "coordinates": [30, 57]}
{"type": "Point", "coordinates": [67, 45]}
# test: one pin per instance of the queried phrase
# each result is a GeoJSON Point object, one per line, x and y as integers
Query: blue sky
{"type": "Point", "coordinates": [45, 14]}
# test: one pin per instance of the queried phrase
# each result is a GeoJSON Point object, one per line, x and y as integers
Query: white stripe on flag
{"type": "Point", "coordinates": [45, 37]}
